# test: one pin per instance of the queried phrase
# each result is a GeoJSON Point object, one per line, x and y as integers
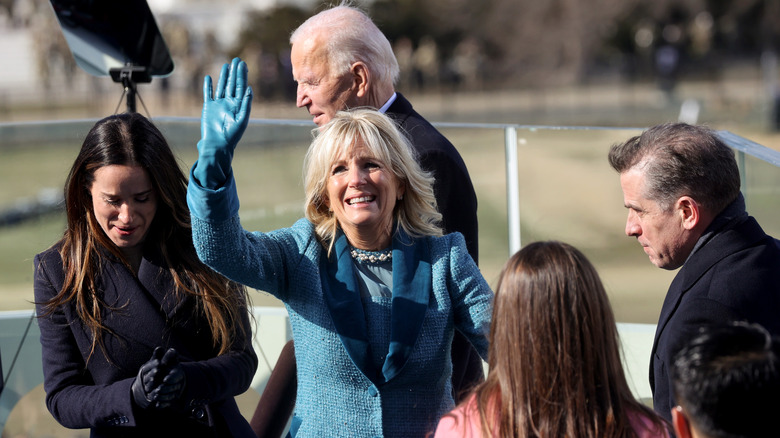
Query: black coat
{"type": "Point", "coordinates": [96, 394]}
{"type": "Point", "coordinates": [734, 277]}
{"type": "Point", "coordinates": [454, 192]}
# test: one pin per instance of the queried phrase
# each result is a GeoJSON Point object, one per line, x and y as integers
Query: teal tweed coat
{"type": "Point", "coordinates": [376, 370]}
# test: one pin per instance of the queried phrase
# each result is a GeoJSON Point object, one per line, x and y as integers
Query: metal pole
{"type": "Point", "coordinates": [512, 189]}
{"type": "Point", "coordinates": [130, 91]}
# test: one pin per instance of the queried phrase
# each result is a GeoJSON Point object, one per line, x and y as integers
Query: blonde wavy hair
{"type": "Point", "coordinates": [416, 214]}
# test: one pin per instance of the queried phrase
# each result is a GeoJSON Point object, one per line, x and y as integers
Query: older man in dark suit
{"type": "Point", "coordinates": [341, 60]}
{"type": "Point", "coordinates": [681, 188]}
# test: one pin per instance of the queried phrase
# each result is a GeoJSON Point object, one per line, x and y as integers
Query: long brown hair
{"type": "Point", "coordinates": [554, 356]}
{"type": "Point", "coordinates": [132, 140]}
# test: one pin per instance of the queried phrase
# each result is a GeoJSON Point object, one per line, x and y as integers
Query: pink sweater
{"type": "Point", "coordinates": [463, 422]}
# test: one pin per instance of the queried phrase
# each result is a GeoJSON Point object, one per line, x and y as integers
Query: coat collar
{"type": "Point", "coordinates": [400, 109]}
{"type": "Point", "coordinates": [725, 242]}
{"type": "Point", "coordinates": [156, 283]}
{"type": "Point", "coordinates": [411, 291]}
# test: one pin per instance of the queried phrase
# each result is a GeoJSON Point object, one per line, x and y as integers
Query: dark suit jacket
{"type": "Point", "coordinates": [96, 393]}
{"type": "Point", "coordinates": [453, 189]}
{"type": "Point", "coordinates": [734, 277]}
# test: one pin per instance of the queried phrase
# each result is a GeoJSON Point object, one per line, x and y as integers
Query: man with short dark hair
{"type": "Point", "coordinates": [681, 188]}
{"type": "Point", "coordinates": [727, 384]}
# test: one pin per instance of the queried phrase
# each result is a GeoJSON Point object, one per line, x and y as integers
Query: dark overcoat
{"type": "Point", "coordinates": [735, 276]}
{"type": "Point", "coordinates": [93, 391]}
{"type": "Point", "coordinates": [455, 196]}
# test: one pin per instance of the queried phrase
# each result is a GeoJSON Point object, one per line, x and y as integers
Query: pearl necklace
{"type": "Point", "coordinates": [371, 256]}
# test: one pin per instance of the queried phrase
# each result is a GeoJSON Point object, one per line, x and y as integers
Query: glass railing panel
{"type": "Point", "coordinates": [566, 191]}
{"type": "Point", "coordinates": [761, 187]}
{"type": "Point", "coordinates": [35, 161]}
{"type": "Point", "coordinates": [482, 149]}
{"type": "Point", "coordinates": [268, 168]}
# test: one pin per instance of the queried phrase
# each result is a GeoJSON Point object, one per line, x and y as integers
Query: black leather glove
{"type": "Point", "coordinates": [172, 385]}
{"type": "Point", "coordinates": [147, 380]}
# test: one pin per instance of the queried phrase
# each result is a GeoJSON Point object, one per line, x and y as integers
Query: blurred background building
{"type": "Point", "coordinates": [597, 63]}
{"type": "Point", "coordinates": [443, 46]}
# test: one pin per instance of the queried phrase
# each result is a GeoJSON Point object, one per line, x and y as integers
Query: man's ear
{"type": "Point", "coordinates": [361, 78]}
{"type": "Point", "coordinates": [680, 423]}
{"type": "Point", "coordinates": [689, 212]}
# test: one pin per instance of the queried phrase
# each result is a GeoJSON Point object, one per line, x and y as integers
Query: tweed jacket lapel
{"type": "Point", "coordinates": [411, 291]}
{"type": "Point", "coordinates": [340, 290]}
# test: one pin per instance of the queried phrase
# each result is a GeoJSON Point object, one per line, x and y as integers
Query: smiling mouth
{"type": "Point", "coordinates": [361, 199]}
{"type": "Point", "coordinates": [125, 231]}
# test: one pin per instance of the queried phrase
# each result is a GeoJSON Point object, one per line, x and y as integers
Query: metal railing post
{"type": "Point", "coordinates": [512, 189]}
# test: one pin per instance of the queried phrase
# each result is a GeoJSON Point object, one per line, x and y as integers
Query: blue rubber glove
{"type": "Point", "coordinates": [225, 117]}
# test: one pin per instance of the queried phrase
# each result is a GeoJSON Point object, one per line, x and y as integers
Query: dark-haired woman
{"type": "Point", "coordinates": [139, 338]}
{"type": "Point", "coordinates": [554, 356]}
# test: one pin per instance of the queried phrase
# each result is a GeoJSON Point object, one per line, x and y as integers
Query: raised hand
{"type": "Point", "coordinates": [224, 119]}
